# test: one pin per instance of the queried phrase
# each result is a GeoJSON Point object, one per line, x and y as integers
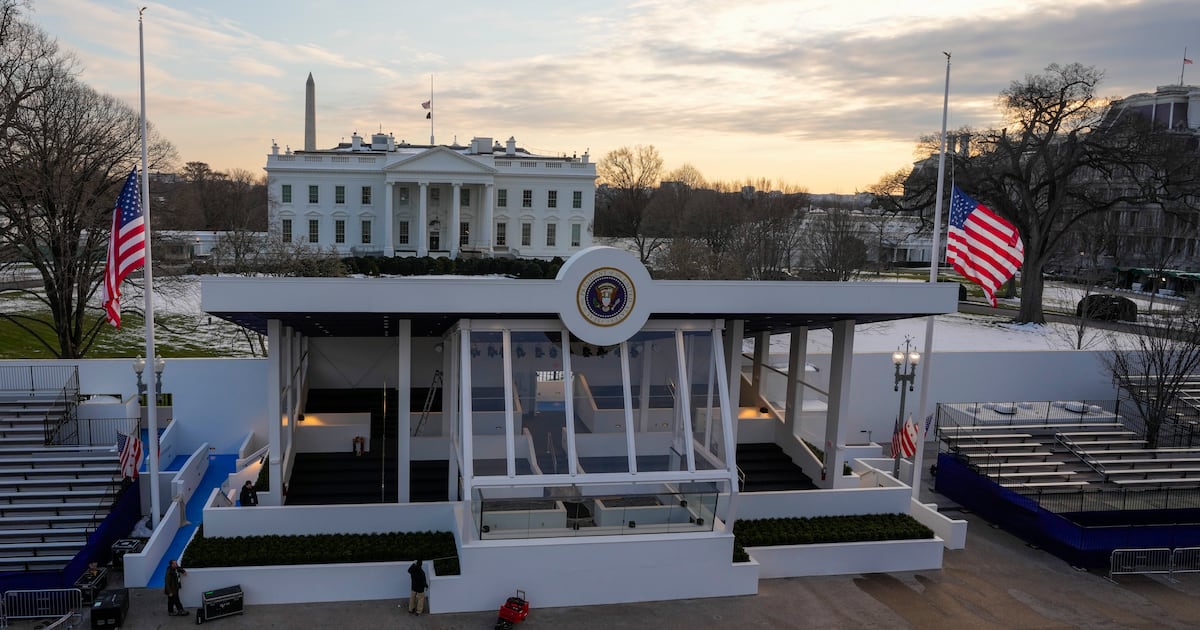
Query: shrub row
{"type": "Point", "coordinates": [769, 532]}
{"type": "Point", "coordinates": [525, 268]}
{"type": "Point", "coordinates": [253, 551]}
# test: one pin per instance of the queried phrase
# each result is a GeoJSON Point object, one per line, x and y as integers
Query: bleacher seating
{"type": "Point", "coordinates": [51, 497]}
{"type": "Point", "coordinates": [1070, 456]}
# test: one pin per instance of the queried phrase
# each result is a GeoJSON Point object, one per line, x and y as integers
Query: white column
{"type": "Point", "coordinates": [797, 376]}
{"type": "Point", "coordinates": [734, 329]}
{"type": "Point", "coordinates": [762, 354]}
{"type": "Point", "coordinates": [389, 245]}
{"type": "Point", "coordinates": [485, 224]}
{"type": "Point", "coordinates": [422, 219]}
{"type": "Point", "coordinates": [275, 352]}
{"type": "Point", "coordinates": [455, 219]}
{"type": "Point", "coordinates": [840, 364]}
{"type": "Point", "coordinates": [403, 415]}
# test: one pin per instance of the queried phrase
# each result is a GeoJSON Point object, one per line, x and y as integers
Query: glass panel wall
{"type": "Point", "coordinates": [604, 510]}
{"type": "Point", "coordinates": [539, 386]}
{"type": "Point", "coordinates": [600, 417]}
{"type": "Point", "coordinates": [661, 438]}
{"type": "Point", "coordinates": [487, 403]}
{"type": "Point", "coordinates": [707, 426]}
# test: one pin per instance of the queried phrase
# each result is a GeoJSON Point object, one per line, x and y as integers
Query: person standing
{"type": "Point", "coordinates": [248, 495]}
{"type": "Point", "coordinates": [171, 586]}
{"type": "Point", "coordinates": [416, 599]}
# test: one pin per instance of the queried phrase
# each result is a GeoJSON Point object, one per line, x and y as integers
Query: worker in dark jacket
{"type": "Point", "coordinates": [416, 600]}
{"type": "Point", "coordinates": [171, 586]}
{"type": "Point", "coordinates": [248, 495]}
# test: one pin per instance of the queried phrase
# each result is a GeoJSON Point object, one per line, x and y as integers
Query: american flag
{"type": "Point", "coordinates": [904, 438]}
{"type": "Point", "coordinates": [982, 246]}
{"type": "Point", "coordinates": [126, 247]}
{"type": "Point", "coordinates": [130, 448]}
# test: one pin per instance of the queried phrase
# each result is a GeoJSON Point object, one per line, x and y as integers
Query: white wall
{"type": "Point", "coordinates": [299, 520]}
{"type": "Point", "coordinates": [966, 376]}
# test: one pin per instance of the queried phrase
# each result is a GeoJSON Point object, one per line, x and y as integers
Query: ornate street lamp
{"type": "Point", "coordinates": [906, 373]}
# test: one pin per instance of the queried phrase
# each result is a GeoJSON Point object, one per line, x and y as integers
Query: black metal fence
{"type": "Point", "coordinates": [1027, 412]}
{"type": "Point", "coordinates": [93, 431]}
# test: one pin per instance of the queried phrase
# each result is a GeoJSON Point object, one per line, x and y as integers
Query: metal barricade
{"type": "Point", "coordinates": [43, 604]}
{"type": "Point", "coordinates": [1139, 561]}
{"type": "Point", "coordinates": [1185, 560]}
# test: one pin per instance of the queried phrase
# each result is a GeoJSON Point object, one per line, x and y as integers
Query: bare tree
{"type": "Point", "coordinates": [1060, 159]}
{"type": "Point", "coordinates": [631, 175]}
{"type": "Point", "coordinates": [64, 157]}
{"type": "Point", "coordinates": [1154, 365]}
{"type": "Point", "coordinates": [836, 249]}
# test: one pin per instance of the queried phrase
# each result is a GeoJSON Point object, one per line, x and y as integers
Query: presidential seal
{"type": "Point", "coordinates": [606, 296]}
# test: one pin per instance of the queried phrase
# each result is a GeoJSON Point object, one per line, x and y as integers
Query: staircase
{"type": "Point", "coordinates": [342, 478]}
{"type": "Point", "coordinates": [767, 468]}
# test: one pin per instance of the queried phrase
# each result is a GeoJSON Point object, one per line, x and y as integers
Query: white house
{"type": "Point", "coordinates": [397, 199]}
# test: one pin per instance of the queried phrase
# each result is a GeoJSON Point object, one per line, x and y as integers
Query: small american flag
{"type": "Point", "coordinates": [130, 448]}
{"type": "Point", "coordinates": [981, 245]}
{"type": "Point", "coordinates": [126, 247]}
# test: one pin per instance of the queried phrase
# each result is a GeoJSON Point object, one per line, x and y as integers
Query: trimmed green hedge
{"type": "Point", "coordinates": [769, 532]}
{"type": "Point", "coordinates": [254, 551]}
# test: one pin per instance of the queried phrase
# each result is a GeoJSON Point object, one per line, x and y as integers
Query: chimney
{"type": "Point", "coordinates": [391, 145]}
{"type": "Point", "coordinates": [964, 145]}
{"type": "Point", "coordinates": [510, 147]}
{"type": "Point", "coordinates": [310, 114]}
{"type": "Point", "coordinates": [355, 141]}
{"type": "Point", "coordinates": [274, 147]}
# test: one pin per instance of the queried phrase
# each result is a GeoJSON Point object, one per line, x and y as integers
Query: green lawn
{"type": "Point", "coordinates": [176, 336]}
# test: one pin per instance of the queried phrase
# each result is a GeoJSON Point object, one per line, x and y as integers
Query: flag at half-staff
{"type": "Point", "coordinates": [981, 245]}
{"type": "Point", "coordinates": [126, 247]}
{"type": "Point", "coordinates": [130, 448]}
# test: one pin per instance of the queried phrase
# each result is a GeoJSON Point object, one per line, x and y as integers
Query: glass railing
{"type": "Point", "coordinates": [574, 512]}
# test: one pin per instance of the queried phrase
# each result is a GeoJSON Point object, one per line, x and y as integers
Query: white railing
{"type": "Point", "coordinates": [1139, 561]}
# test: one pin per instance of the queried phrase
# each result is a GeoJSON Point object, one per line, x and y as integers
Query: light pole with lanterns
{"type": "Point", "coordinates": [906, 373]}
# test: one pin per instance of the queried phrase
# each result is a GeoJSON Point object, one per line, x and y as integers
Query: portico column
{"type": "Point", "coordinates": [734, 330]}
{"type": "Point", "coordinates": [762, 354]}
{"type": "Point", "coordinates": [485, 224]}
{"type": "Point", "coordinates": [839, 403]}
{"type": "Point", "coordinates": [422, 218]}
{"type": "Point", "coordinates": [389, 245]}
{"type": "Point", "coordinates": [455, 210]}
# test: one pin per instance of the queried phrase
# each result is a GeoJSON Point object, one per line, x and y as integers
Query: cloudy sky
{"type": "Point", "coordinates": [828, 95]}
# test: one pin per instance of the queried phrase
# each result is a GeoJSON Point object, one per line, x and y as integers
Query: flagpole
{"type": "Point", "coordinates": [431, 142]}
{"type": "Point", "coordinates": [934, 248]}
{"type": "Point", "coordinates": [152, 395]}
{"type": "Point", "coordinates": [1182, 65]}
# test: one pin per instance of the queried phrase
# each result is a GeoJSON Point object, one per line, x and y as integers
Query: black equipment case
{"type": "Point", "coordinates": [110, 607]}
{"type": "Point", "coordinates": [221, 602]}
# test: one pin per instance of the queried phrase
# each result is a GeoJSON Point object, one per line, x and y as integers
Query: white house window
{"type": "Point", "coordinates": [552, 199]}
{"type": "Point", "coordinates": [287, 230]}
{"type": "Point", "coordinates": [435, 197]}
{"type": "Point", "coordinates": [501, 235]}
{"type": "Point", "coordinates": [339, 231]}
{"type": "Point", "coordinates": [366, 232]}
{"type": "Point", "coordinates": [314, 230]}
{"type": "Point", "coordinates": [403, 237]}
{"type": "Point", "coordinates": [339, 194]}
{"type": "Point", "coordinates": [464, 233]}
{"type": "Point", "coordinates": [464, 197]}
{"type": "Point", "coordinates": [526, 234]}
{"type": "Point", "coordinates": [527, 199]}
{"type": "Point", "coordinates": [576, 234]}
{"type": "Point", "coordinates": [286, 193]}
{"type": "Point", "coordinates": [551, 234]}
{"type": "Point", "coordinates": [502, 198]}
{"type": "Point", "coordinates": [577, 199]}
{"type": "Point", "coordinates": [314, 195]}
{"type": "Point", "coordinates": [403, 195]}
{"type": "Point", "coordinates": [366, 195]}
